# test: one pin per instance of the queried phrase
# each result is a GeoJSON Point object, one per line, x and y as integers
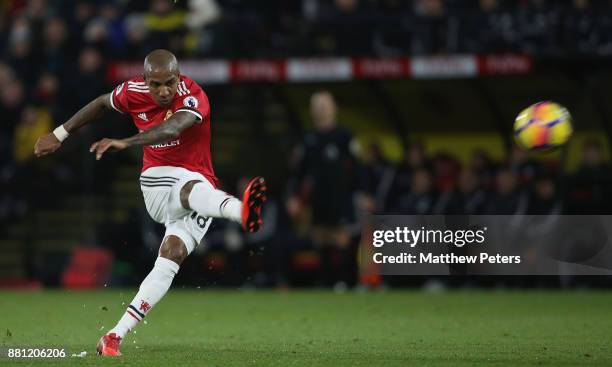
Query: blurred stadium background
{"type": "Point", "coordinates": [427, 92]}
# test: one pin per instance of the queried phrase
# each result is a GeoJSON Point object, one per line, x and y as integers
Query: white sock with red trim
{"type": "Point", "coordinates": [152, 289]}
{"type": "Point", "coordinates": [210, 202]}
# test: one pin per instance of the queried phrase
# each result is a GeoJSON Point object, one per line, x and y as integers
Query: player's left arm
{"type": "Point", "coordinates": [168, 130]}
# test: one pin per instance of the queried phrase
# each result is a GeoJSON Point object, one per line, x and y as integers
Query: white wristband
{"type": "Point", "coordinates": [60, 133]}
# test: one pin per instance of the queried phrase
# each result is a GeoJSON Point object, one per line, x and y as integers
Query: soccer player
{"type": "Point", "coordinates": [172, 114]}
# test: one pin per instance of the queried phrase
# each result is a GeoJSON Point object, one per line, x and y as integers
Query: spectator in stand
{"type": "Point", "coordinates": [485, 168]}
{"type": "Point", "coordinates": [420, 199]}
{"type": "Point", "coordinates": [136, 35]}
{"type": "Point", "coordinates": [591, 185]}
{"type": "Point", "coordinates": [432, 28]}
{"type": "Point", "coordinates": [467, 198]}
{"type": "Point", "coordinates": [165, 26]}
{"type": "Point", "coordinates": [90, 73]}
{"type": "Point", "coordinates": [46, 91]}
{"type": "Point", "coordinates": [579, 23]}
{"type": "Point", "coordinates": [203, 21]}
{"type": "Point", "coordinates": [56, 48]}
{"type": "Point", "coordinates": [393, 26]}
{"type": "Point", "coordinates": [96, 35]}
{"type": "Point", "coordinates": [522, 165]}
{"type": "Point", "coordinates": [492, 28]}
{"type": "Point", "coordinates": [111, 17]}
{"type": "Point", "coordinates": [37, 12]}
{"type": "Point", "coordinates": [23, 190]}
{"type": "Point", "coordinates": [33, 123]}
{"type": "Point", "coordinates": [373, 169]}
{"type": "Point", "coordinates": [82, 13]}
{"type": "Point", "coordinates": [445, 169]}
{"type": "Point", "coordinates": [20, 55]}
{"type": "Point", "coordinates": [508, 198]}
{"type": "Point", "coordinates": [538, 24]}
{"type": "Point", "coordinates": [544, 198]}
{"type": "Point", "coordinates": [397, 180]}
{"type": "Point", "coordinates": [346, 28]}
{"type": "Point", "coordinates": [593, 163]}
{"type": "Point", "coordinates": [12, 100]}
{"type": "Point", "coordinates": [603, 30]}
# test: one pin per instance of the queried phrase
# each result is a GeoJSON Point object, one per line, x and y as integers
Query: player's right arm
{"type": "Point", "coordinates": [51, 142]}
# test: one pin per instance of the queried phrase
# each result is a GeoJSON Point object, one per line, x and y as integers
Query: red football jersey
{"type": "Point", "coordinates": [191, 150]}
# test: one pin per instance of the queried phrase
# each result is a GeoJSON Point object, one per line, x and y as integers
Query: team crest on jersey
{"type": "Point", "coordinates": [191, 102]}
{"type": "Point", "coordinates": [168, 115]}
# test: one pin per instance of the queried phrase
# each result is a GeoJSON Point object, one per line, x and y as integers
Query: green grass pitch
{"type": "Point", "coordinates": [318, 328]}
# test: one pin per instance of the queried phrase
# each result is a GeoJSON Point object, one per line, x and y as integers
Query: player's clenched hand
{"type": "Point", "coordinates": [46, 144]}
{"type": "Point", "coordinates": [104, 145]}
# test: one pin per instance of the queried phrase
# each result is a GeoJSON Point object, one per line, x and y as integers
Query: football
{"type": "Point", "coordinates": [543, 126]}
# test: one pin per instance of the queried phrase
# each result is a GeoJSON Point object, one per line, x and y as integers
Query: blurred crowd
{"type": "Point", "coordinates": [56, 50]}
{"type": "Point", "coordinates": [335, 184]}
{"type": "Point", "coordinates": [58, 29]}
{"type": "Point", "coordinates": [54, 56]}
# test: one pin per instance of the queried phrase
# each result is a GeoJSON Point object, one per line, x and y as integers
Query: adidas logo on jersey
{"type": "Point", "coordinates": [143, 116]}
{"type": "Point", "coordinates": [182, 89]}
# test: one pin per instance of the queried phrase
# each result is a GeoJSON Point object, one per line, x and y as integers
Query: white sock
{"type": "Point", "coordinates": [152, 289]}
{"type": "Point", "coordinates": [210, 202]}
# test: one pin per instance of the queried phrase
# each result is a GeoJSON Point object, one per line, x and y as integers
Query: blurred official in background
{"type": "Point", "coordinates": [326, 175]}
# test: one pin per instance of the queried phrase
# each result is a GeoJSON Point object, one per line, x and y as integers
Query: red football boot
{"type": "Point", "coordinates": [252, 200]}
{"type": "Point", "coordinates": [109, 345]}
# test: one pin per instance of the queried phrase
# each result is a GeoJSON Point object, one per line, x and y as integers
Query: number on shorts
{"type": "Point", "coordinates": [200, 220]}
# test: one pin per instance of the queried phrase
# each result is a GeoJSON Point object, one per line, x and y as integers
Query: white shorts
{"type": "Point", "coordinates": [161, 189]}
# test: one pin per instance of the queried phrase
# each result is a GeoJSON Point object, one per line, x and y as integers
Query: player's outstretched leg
{"type": "Point", "coordinates": [171, 253]}
{"type": "Point", "coordinates": [210, 202]}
